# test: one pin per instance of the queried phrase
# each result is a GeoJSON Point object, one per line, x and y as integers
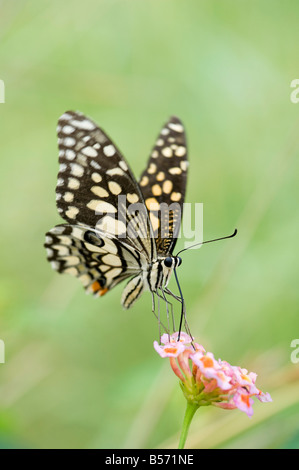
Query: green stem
{"type": "Point", "coordinates": [189, 413]}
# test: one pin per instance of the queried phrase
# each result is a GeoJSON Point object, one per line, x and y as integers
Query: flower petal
{"type": "Point", "coordinates": [244, 402]}
{"type": "Point", "coordinates": [169, 349]}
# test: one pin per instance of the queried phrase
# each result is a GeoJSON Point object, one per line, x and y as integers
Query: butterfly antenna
{"type": "Point", "coordinates": [177, 280]}
{"type": "Point", "coordinates": [182, 301]}
{"type": "Point", "coordinates": [209, 241]}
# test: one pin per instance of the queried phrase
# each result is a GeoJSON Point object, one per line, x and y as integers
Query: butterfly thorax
{"type": "Point", "coordinates": [153, 277]}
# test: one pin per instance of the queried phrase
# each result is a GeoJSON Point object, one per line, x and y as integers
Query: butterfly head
{"type": "Point", "coordinates": [172, 261]}
{"type": "Point", "coordinates": [160, 277]}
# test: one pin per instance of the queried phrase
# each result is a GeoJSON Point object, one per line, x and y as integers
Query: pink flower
{"type": "Point", "coordinates": [244, 402]}
{"type": "Point", "coordinates": [207, 381]}
{"type": "Point", "coordinates": [172, 347]}
{"type": "Point", "coordinates": [169, 349]}
{"type": "Point", "coordinates": [184, 338]}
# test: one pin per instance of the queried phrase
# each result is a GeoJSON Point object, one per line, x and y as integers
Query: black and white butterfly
{"type": "Point", "coordinates": [116, 228]}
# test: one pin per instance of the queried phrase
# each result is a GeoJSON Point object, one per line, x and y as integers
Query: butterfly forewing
{"type": "Point", "coordinates": [95, 185]}
{"type": "Point", "coordinates": [163, 184]}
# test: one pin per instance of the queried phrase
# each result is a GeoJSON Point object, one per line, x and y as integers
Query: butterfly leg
{"type": "Point", "coordinates": [183, 315]}
{"type": "Point", "coordinates": [168, 304]}
{"type": "Point", "coordinates": [158, 315]}
{"type": "Point", "coordinates": [167, 309]}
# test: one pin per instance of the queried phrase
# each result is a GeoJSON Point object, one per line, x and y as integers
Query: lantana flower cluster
{"type": "Point", "coordinates": [207, 381]}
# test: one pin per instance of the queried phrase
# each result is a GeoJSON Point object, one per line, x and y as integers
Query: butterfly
{"type": "Point", "coordinates": [117, 228]}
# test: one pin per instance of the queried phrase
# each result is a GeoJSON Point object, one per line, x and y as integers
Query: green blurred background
{"type": "Point", "coordinates": [81, 372]}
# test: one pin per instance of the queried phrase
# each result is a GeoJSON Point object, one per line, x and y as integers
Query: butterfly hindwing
{"type": "Point", "coordinates": [163, 184]}
{"type": "Point", "coordinates": [99, 261]}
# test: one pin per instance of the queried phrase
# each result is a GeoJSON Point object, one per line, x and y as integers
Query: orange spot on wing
{"type": "Point", "coordinates": [95, 286]}
{"type": "Point", "coordinates": [103, 291]}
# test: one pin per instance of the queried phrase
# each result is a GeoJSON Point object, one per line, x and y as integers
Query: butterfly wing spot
{"type": "Point", "coordinates": [184, 165]}
{"type": "Point", "coordinates": [62, 167]}
{"type": "Point", "coordinates": [96, 287]}
{"type": "Point", "coordinates": [101, 207]}
{"type": "Point", "coordinates": [109, 150]}
{"type": "Point", "coordinates": [77, 170]}
{"type": "Point", "coordinates": [68, 197]}
{"type": "Point", "coordinates": [95, 165]}
{"type": "Point", "coordinates": [111, 260]}
{"type": "Point", "coordinates": [175, 196]}
{"type": "Point", "coordinates": [69, 142]}
{"type": "Point", "coordinates": [72, 271]}
{"type": "Point", "coordinates": [115, 171]}
{"type": "Point", "coordinates": [85, 124]}
{"type": "Point", "coordinates": [89, 152]}
{"type": "Point", "coordinates": [72, 212]}
{"type": "Point", "coordinates": [112, 225]}
{"type": "Point", "coordinates": [167, 152]}
{"type": "Point", "coordinates": [144, 181]}
{"type": "Point", "coordinates": [70, 154]}
{"type": "Point", "coordinates": [152, 168]}
{"type": "Point", "coordinates": [152, 204]}
{"type": "Point", "coordinates": [123, 165]}
{"type": "Point", "coordinates": [167, 186]}
{"type": "Point", "coordinates": [67, 129]}
{"type": "Point", "coordinates": [155, 221]}
{"type": "Point", "coordinates": [96, 177]}
{"type": "Point", "coordinates": [180, 151]}
{"type": "Point", "coordinates": [157, 191]}
{"type": "Point", "coordinates": [103, 291]}
{"type": "Point", "coordinates": [160, 176]}
{"type": "Point", "coordinates": [175, 170]}
{"type": "Point", "coordinates": [114, 187]}
{"type": "Point", "coordinates": [132, 198]}
{"type": "Point", "coordinates": [99, 191]}
{"type": "Point", "coordinates": [73, 183]}
{"type": "Point", "coordinates": [177, 127]}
